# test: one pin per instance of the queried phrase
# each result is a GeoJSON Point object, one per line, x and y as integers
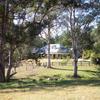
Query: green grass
{"type": "Point", "coordinates": [58, 76]}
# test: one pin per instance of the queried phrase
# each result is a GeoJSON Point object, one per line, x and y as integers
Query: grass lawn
{"type": "Point", "coordinates": [55, 83]}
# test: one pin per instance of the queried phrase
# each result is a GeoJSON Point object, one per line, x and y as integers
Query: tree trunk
{"type": "Point", "coordinates": [2, 72]}
{"type": "Point", "coordinates": [2, 32]}
{"type": "Point", "coordinates": [48, 54]}
{"type": "Point", "coordinates": [75, 56]}
{"type": "Point", "coordinates": [74, 41]}
{"type": "Point", "coordinates": [75, 64]}
{"type": "Point", "coordinates": [10, 65]}
{"type": "Point", "coordinates": [2, 68]}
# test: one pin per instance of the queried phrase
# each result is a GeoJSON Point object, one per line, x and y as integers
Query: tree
{"type": "Point", "coordinates": [51, 6]}
{"type": "Point", "coordinates": [3, 27]}
{"type": "Point", "coordinates": [77, 22]}
{"type": "Point", "coordinates": [96, 46]}
{"type": "Point", "coordinates": [24, 31]}
{"type": "Point", "coordinates": [96, 36]}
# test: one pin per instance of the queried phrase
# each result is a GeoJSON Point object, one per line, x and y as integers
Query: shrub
{"type": "Point", "coordinates": [87, 54]}
{"type": "Point", "coordinates": [96, 58]}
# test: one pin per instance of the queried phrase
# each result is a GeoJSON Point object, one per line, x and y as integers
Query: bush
{"type": "Point", "coordinates": [87, 54]}
{"type": "Point", "coordinates": [96, 58]}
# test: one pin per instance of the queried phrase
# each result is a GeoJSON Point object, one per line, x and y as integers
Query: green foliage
{"type": "Point", "coordinates": [96, 58]}
{"type": "Point", "coordinates": [87, 54]}
{"type": "Point", "coordinates": [50, 3]}
{"type": "Point", "coordinates": [1, 8]}
{"type": "Point", "coordinates": [86, 41]}
{"type": "Point", "coordinates": [63, 39]}
{"type": "Point", "coordinates": [96, 36]}
{"type": "Point", "coordinates": [65, 60]}
{"type": "Point", "coordinates": [16, 55]}
{"type": "Point", "coordinates": [75, 3]}
{"type": "Point", "coordinates": [38, 42]}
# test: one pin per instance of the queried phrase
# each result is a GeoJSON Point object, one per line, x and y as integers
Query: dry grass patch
{"type": "Point", "coordinates": [70, 93]}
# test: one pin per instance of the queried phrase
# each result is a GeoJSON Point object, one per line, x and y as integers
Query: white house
{"type": "Point", "coordinates": [56, 49]}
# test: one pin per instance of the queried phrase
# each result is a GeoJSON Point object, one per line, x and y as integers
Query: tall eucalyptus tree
{"type": "Point", "coordinates": [78, 17]}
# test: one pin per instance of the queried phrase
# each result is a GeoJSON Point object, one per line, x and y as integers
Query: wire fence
{"type": "Point", "coordinates": [54, 63]}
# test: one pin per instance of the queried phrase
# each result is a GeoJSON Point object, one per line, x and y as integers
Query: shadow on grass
{"type": "Point", "coordinates": [45, 82]}
{"type": "Point", "coordinates": [89, 71]}
{"type": "Point", "coordinates": [98, 71]}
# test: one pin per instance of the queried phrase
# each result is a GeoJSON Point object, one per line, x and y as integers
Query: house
{"type": "Point", "coordinates": [56, 50]}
